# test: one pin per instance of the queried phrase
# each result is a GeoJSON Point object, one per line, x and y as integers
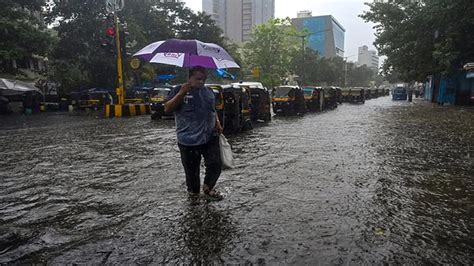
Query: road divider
{"type": "Point", "coordinates": [117, 110]}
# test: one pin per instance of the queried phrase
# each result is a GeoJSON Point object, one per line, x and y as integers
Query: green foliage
{"type": "Point", "coordinates": [276, 48]}
{"type": "Point", "coordinates": [330, 71]}
{"type": "Point", "coordinates": [420, 39]}
{"type": "Point", "coordinates": [271, 49]}
{"type": "Point", "coordinates": [81, 31]}
{"type": "Point", "coordinates": [359, 76]}
{"type": "Point", "coordinates": [22, 33]}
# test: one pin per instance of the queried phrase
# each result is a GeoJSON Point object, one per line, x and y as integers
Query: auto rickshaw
{"type": "Point", "coordinates": [399, 94]}
{"type": "Point", "coordinates": [138, 95]}
{"type": "Point", "coordinates": [259, 100]}
{"type": "Point", "coordinates": [158, 97]}
{"type": "Point", "coordinates": [368, 93]}
{"type": "Point", "coordinates": [313, 97]}
{"type": "Point", "coordinates": [94, 99]}
{"type": "Point", "coordinates": [218, 91]}
{"type": "Point", "coordinates": [338, 95]}
{"type": "Point", "coordinates": [288, 100]}
{"type": "Point", "coordinates": [330, 98]}
{"type": "Point", "coordinates": [236, 109]}
{"type": "Point", "coordinates": [374, 93]}
{"type": "Point", "coordinates": [353, 95]}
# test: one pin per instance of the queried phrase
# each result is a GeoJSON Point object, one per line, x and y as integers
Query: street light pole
{"type": "Point", "coordinates": [345, 68]}
{"type": "Point", "coordinates": [302, 72]}
{"type": "Point", "coordinates": [303, 51]}
{"type": "Point", "coordinates": [345, 73]}
{"type": "Point", "coordinates": [120, 89]}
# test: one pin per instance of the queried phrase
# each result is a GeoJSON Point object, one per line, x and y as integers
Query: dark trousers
{"type": "Point", "coordinates": [191, 159]}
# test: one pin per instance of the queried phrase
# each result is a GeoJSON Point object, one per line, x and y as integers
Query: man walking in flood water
{"type": "Point", "coordinates": [198, 129]}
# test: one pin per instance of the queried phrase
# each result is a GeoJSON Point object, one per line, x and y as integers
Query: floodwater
{"type": "Point", "coordinates": [380, 182]}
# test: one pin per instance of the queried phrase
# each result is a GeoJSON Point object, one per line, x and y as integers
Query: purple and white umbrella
{"type": "Point", "coordinates": [187, 53]}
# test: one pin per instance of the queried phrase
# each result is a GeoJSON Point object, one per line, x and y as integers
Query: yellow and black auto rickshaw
{"type": "Point", "coordinates": [260, 103]}
{"type": "Point", "coordinates": [330, 98]}
{"type": "Point", "coordinates": [288, 100]}
{"type": "Point", "coordinates": [94, 99]}
{"type": "Point", "coordinates": [218, 91]}
{"type": "Point", "coordinates": [368, 93]}
{"type": "Point", "coordinates": [236, 109]}
{"type": "Point", "coordinates": [232, 106]}
{"type": "Point", "coordinates": [158, 97]}
{"type": "Point", "coordinates": [353, 95]}
{"type": "Point", "coordinates": [313, 97]}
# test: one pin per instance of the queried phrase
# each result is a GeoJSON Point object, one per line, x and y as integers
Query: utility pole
{"type": "Point", "coordinates": [114, 6]}
{"type": "Point", "coordinates": [120, 89]}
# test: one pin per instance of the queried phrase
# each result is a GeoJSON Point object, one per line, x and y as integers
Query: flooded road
{"type": "Point", "coordinates": [380, 182]}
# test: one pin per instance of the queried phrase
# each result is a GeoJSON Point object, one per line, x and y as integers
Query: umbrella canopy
{"type": "Point", "coordinates": [10, 87]}
{"type": "Point", "coordinates": [187, 53]}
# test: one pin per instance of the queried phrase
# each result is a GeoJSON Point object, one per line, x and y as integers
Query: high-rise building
{"type": "Point", "coordinates": [393, 1]}
{"type": "Point", "coordinates": [368, 58]}
{"type": "Point", "coordinates": [304, 14]}
{"type": "Point", "coordinates": [325, 34]}
{"type": "Point", "coordinates": [237, 17]}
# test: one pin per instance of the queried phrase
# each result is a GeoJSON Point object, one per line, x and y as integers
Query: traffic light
{"type": "Point", "coordinates": [108, 41]}
{"type": "Point", "coordinates": [110, 31]}
{"type": "Point", "coordinates": [124, 44]}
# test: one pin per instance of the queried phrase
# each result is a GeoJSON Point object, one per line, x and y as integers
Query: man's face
{"type": "Point", "coordinates": [198, 79]}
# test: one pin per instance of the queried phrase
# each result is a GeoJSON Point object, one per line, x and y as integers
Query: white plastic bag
{"type": "Point", "coordinates": [226, 153]}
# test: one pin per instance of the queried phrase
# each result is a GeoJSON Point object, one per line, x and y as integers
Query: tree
{"type": "Point", "coordinates": [81, 30]}
{"type": "Point", "coordinates": [270, 49]}
{"type": "Point", "coordinates": [79, 60]}
{"type": "Point", "coordinates": [360, 76]}
{"type": "Point", "coordinates": [22, 32]}
{"type": "Point", "coordinates": [421, 38]}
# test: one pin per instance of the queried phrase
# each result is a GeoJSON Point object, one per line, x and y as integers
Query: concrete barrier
{"type": "Point", "coordinates": [125, 110]}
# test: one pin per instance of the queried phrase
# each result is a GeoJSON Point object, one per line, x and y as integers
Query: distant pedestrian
{"type": "Point", "coordinates": [198, 128]}
{"type": "Point", "coordinates": [410, 94]}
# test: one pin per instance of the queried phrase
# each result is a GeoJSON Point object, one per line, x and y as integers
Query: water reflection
{"type": "Point", "coordinates": [208, 232]}
{"type": "Point", "coordinates": [423, 187]}
{"type": "Point", "coordinates": [363, 184]}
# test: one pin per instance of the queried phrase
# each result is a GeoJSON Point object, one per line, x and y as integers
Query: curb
{"type": "Point", "coordinates": [125, 110]}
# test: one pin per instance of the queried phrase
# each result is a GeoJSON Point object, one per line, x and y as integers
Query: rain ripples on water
{"type": "Point", "coordinates": [380, 182]}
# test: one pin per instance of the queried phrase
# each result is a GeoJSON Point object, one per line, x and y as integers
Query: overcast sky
{"type": "Point", "coordinates": [346, 12]}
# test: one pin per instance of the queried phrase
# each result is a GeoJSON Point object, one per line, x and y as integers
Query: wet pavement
{"type": "Point", "coordinates": [380, 182]}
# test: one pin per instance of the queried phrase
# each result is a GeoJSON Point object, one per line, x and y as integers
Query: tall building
{"type": "Point", "coordinates": [326, 35]}
{"type": "Point", "coordinates": [393, 1]}
{"type": "Point", "coordinates": [368, 58]}
{"type": "Point", "coordinates": [237, 17]}
{"type": "Point", "coordinates": [304, 14]}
